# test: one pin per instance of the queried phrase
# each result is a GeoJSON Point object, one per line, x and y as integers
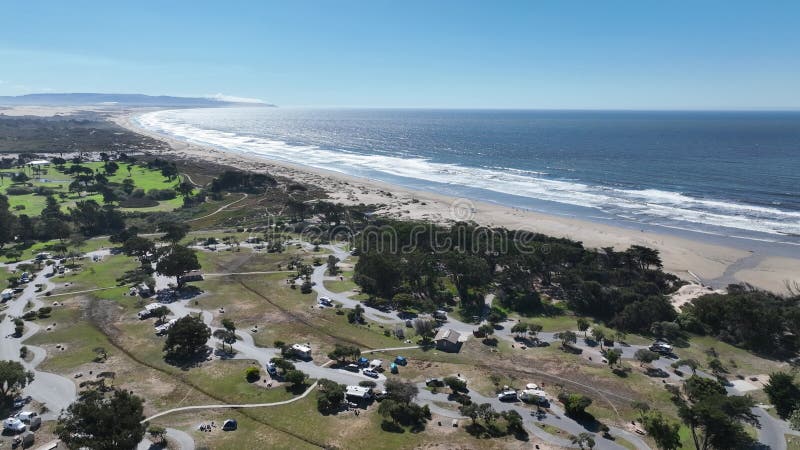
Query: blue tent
{"type": "Point", "coordinates": [393, 367]}
{"type": "Point", "coordinates": [363, 361]}
{"type": "Point", "coordinates": [401, 360]}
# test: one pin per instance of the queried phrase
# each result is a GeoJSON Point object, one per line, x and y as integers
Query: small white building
{"type": "Point", "coordinates": [302, 350]}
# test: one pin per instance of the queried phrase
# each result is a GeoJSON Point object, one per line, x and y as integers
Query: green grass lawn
{"type": "Point", "coordinates": [87, 246]}
{"type": "Point", "coordinates": [792, 442]}
{"type": "Point", "coordinates": [101, 274]}
{"type": "Point", "coordinates": [555, 431]}
{"type": "Point", "coordinates": [226, 380]}
{"type": "Point", "coordinates": [736, 360]}
{"type": "Point", "coordinates": [340, 286]}
{"type": "Point", "coordinates": [250, 434]}
{"type": "Point", "coordinates": [143, 178]}
{"type": "Point", "coordinates": [80, 339]}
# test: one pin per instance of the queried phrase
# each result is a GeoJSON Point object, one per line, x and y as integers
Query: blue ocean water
{"type": "Point", "coordinates": [726, 173]}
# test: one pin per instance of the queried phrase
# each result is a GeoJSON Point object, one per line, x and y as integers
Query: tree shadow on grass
{"type": "Point", "coordinates": [391, 427]}
{"type": "Point", "coordinates": [184, 362]}
{"type": "Point", "coordinates": [588, 422]}
{"type": "Point", "coordinates": [296, 389]}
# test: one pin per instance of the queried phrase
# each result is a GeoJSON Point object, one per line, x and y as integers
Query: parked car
{"type": "Point", "coordinates": [661, 347]}
{"type": "Point", "coordinates": [352, 368]}
{"type": "Point", "coordinates": [370, 373]}
{"type": "Point", "coordinates": [26, 416]}
{"type": "Point", "coordinates": [434, 382]}
{"type": "Point", "coordinates": [14, 425]}
{"type": "Point", "coordinates": [19, 402]}
{"type": "Point", "coordinates": [507, 396]}
{"type": "Point", "coordinates": [271, 369]}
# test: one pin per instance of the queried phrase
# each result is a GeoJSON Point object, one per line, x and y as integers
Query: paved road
{"type": "Point", "coordinates": [772, 432]}
{"type": "Point", "coordinates": [57, 392]}
{"type": "Point", "coordinates": [554, 417]}
{"type": "Point", "coordinates": [53, 391]}
{"type": "Point", "coordinates": [246, 349]}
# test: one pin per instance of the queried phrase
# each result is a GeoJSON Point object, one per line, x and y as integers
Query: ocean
{"type": "Point", "coordinates": [727, 174]}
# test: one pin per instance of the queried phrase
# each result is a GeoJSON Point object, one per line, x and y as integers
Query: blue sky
{"type": "Point", "coordinates": [635, 54]}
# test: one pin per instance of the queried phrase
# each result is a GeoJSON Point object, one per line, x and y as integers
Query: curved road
{"type": "Point", "coordinates": [57, 392]}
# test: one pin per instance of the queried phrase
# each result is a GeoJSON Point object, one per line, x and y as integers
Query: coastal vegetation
{"type": "Point", "coordinates": [592, 298]}
{"type": "Point", "coordinates": [408, 269]}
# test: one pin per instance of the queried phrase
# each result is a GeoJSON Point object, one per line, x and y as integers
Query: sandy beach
{"type": "Point", "coordinates": [694, 260]}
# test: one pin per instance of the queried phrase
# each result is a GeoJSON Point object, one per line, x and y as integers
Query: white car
{"type": "Point", "coordinates": [507, 396]}
{"type": "Point", "coordinates": [370, 373]}
{"type": "Point", "coordinates": [14, 425]}
{"type": "Point", "coordinates": [26, 416]}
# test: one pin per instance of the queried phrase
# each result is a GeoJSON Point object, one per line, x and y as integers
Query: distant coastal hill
{"type": "Point", "coordinates": [141, 100]}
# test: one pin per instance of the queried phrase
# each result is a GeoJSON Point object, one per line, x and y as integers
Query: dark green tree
{"type": "Point", "coordinates": [173, 231]}
{"type": "Point", "coordinates": [663, 431]}
{"type": "Point", "coordinates": [13, 377]}
{"type": "Point", "coordinates": [187, 338]}
{"type": "Point", "coordinates": [783, 393]}
{"type": "Point", "coordinates": [715, 420]}
{"type": "Point", "coordinates": [103, 422]}
{"type": "Point", "coordinates": [574, 404]}
{"type": "Point", "coordinates": [330, 396]}
{"type": "Point", "coordinates": [7, 222]}
{"type": "Point", "coordinates": [177, 261]}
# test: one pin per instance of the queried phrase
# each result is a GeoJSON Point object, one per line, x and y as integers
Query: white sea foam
{"type": "Point", "coordinates": [648, 205]}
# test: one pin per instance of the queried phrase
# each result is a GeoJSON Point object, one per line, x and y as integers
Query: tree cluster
{"type": "Point", "coordinates": [238, 181]}
{"type": "Point", "coordinates": [753, 319]}
{"type": "Point", "coordinates": [628, 289]}
{"type": "Point", "coordinates": [330, 396]}
{"type": "Point", "coordinates": [715, 419]}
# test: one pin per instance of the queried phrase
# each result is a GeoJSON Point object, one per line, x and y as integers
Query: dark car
{"type": "Point", "coordinates": [229, 425]}
{"type": "Point", "coordinates": [434, 382]}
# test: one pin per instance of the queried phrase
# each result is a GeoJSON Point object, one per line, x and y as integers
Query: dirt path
{"type": "Point", "coordinates": [220, 209]}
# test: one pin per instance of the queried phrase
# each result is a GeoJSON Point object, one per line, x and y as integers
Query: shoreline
{"type": "Point", "coordinates": [692, 259]}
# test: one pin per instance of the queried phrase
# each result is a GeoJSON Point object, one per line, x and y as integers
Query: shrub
{"type": "Point", "coordinates": [161, 194]}
{"type": "Point", "coordinates": [574, 404]}
{"type": "Point", "coordinates": [18, 190]}
{"type": "Point", "coordinates": [252, 374]}
{"type": "Point", "coordinates": [367, 383]}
